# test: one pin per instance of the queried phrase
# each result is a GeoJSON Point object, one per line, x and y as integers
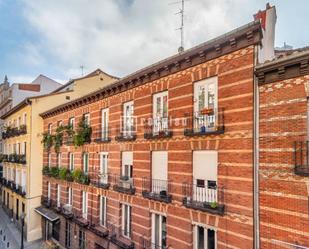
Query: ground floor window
{"type": "Point", "coordinates": [82, 240]}
{"type": "Point", "coordinates": [158, 234]}
{"type": "Point", "coordinates": [67, 235]}
{"type": "Point", "coordinates": [52, 230]}
{"type": "Point", "coordinates": [204, 237]}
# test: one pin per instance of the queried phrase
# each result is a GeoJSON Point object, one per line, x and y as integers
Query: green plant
{"type": "Point", "coordinates": [77, 174]}
{"type": "Point", "coordinates": [46, 170]}
{"type": "Point", "coordinates": [214, 204]}
{"type": "Point", "coordinates": [63, 173]}
{"type": "Point", "coordinates": [83, 134]}
{"type": "Point", "coordinates": [69, 176]}
{"type": "Point", "coordinates": [47, 140]}
{"type": "Point", "coordinates": [84, 179]}
{"type": "Point", "coordinates": [54, 171]}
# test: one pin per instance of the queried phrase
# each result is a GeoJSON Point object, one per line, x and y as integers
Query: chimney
{"type": "Point", "coordinates": [268, 19]}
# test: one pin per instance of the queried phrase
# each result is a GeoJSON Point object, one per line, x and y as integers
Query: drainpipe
{"type": "Point", "coordinates": [256, 204]}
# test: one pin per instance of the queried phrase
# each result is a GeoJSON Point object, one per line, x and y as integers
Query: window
{"type": "Point", "coordinates": [24, 148]}
{"type": "Point", "coordinates": [71, 161]}
{"type": "Point", "coordinates": [49, 159]}
{"type": "Point", "coordinates": [59, 123]}
{"type": "Point", "coordinates": [104, 124]}
{"type": "Point", "coordinates": [204, 238]}
{"type": "Point", "coordinates": [48, 190]}
{"type": "Point", "coordinates": [158, 231]}
{"type": "Point", "coordinates": [103, 201]}
{"type": "Point", "coordinates": [67, 235]}
{"type": "Point", "coordinates": [82, 239]}
{"type": "Point", "coordinates": [58, 195]}
{"type": "Point", "coordinates": [25, 118]}
{"type": "Point", "coordinates": [85, 204]}
{"type": "Point", "coordinates": [104, 167]}
{"type": "Point", "coordinates": [85, 162]}
{"type": "Point", "coordinates": [127, 164]}
{"type": "Point", "coordinates": [87, 119]}
{"type": "Point", "coordinates": [205, 175]}
{"type": "Point", "coordinates": [70, 196]}
{"type": "Point", "coordinates": [59, 160]}
{"type": "Point", "coordinates": [205, 97]}
{"type": "Point", "coordinates": [50, 128]}
{"type": "Point", "coordinates": [126, 220]}
{"type": "Point", "coordinates": [160, 112]}
{"type": "Point", "coordinates": [19, 121]}
{"type": "Point", "coordinates": [72, 123]}
{"type": "Point", "coordinates": [159, 171]}
{"type": "Point", "coordinates": [128, 121]}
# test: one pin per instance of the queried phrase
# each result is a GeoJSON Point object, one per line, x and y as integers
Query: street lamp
{"type": "Point", "coordinates": [22, 216]}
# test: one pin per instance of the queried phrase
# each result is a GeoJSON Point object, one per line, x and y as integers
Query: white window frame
{"type": "Point", "coordinates": [58, 195]}
{"type": "Point", "coordinates": [59, 157]}
{"type": "Point", "coordinates": [72, 122]}
{"type": "Point", "coordinates": [126, 213]}
{"type": "Point", "coordinates": [50, 128]}
{"type": "Point", "coordinates": [48, 190]}
{"type": "Point", "coordinates": [128, 164]}
{"type": "Point", "coordinates": [85, 204]}
{"type": "Point", "coordinates": [128, 120]}
{"type": "Point", "coordinates": [49, 159]}
{"type": "Point", "coordinates": [195, 235]}
{"type": "Point", "coordinates": [159, 121]}
{"type": "Point", "coordinates": [155, 229]}
{"type": "Point", "coordinates": [70, 196]}
{"type": "Point", "coordinates": [104, 123]}
{"type": "Point", "coordinates": [104, 167]}
{"type": "Point", "coordinates": [71, 161]}
{"type": "Point", "coordinates": [25, 118]}
{"type": "Point", "coordinates": [86, 171]}
{"type": "Point", "coordinates": [103, 211]}
{"type": "Point", "coordinates": [87, 118]}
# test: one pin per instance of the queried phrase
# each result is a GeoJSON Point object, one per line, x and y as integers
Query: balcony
{"type": "Point", "coordinates": [67, 211]}
{"type": "Point", "coordinates": [101, 135]}
{"type": "Point", "coordinates": [124, 184]}
{"type": "Point", "coordinates": [158, 190]}
{"type": "Point", "coordinates": [301, 155]}
{"type": "Point", "coordinates": [16, 158]}
{"type": "Point", "coordinates": [79, 218]}
{"type": "Point", "coordinates": [14, 131]}
{"type": "Point", "coordinates": [210, 122]}
{"type": "Point", "coordinates": [3, 158]}
{"type": "Point", "coordinates": [208, 199]}
{"type": "Point", "coordinates": [127, 133]}
{"type": "Point", "coordinates": [68, 140]}
{"type": "Point", "coordinates": [46, 202]}
{"type": "Point", "coordinates": [99, 230]}
{"type": "Point", "coordinates": [119, 237]}
{"type": "Point", "coordinates": [158, 128]}
{"type": "Point", "coordinates": [20, 190]}
{"type": "Point", "coordinates": [102, 181]}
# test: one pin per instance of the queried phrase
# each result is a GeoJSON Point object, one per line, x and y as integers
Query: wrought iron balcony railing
{"type": "Point", "coordinates": [158, 190]}
{"type": "Point", "coordinates": [101, 135]}
{"type": "Point", "coordinates": [204, 198]}
{"type": "Point", "coordinates": [157, 128]}
{"type": "Point", "coordinates": [209, 122]}
{"type": "Point", "coordinates": [127, 133]}
{"type": "Point", "coordinates": [124, 184]}
{"type": "Point", "coordinates": [101, 181]}
{"type": "Point", "coordinates": [120, 237]}
{"type": "Point", "coordinates": [301, 155]}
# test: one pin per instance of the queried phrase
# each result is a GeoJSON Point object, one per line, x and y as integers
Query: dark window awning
{"type": "Point", "coordinates": [47, 213]}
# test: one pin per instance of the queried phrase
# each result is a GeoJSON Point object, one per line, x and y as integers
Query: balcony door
{"type": "Point", "coordinates": [104, 124]}
{"type": "Point", "coordinates": [204, 238]}
{"type": "Point", "coordinates": [160, 112]}
{"type": "Point", "coordinates": [205, 97]}
{"type": "Point", "coordinates": [127, 164]}
{"type": "Point", "coordinates": [205, 176]}
{"type": "Point", "coordinates": [128, 121]}
{"type": "Point", "coordinates": [104, 167]}
{"type": "Point", "coordinates": [159, 171]}
{"type": "Point", "coordinates": [158, 231]}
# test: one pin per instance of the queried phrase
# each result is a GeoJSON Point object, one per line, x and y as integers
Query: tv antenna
{"type": "Point", "coordinates": [181, 28]}
{"type": "Point", "coordinates": [82, 68]}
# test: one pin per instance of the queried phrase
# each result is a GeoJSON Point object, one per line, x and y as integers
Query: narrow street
{"type": "Point", "coordinates": [10, 236]}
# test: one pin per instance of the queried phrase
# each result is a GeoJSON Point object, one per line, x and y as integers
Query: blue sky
{"type": "Point", "coordinates": [120, 36]}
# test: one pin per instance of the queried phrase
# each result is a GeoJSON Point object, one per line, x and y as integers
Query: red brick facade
{"type": "Point", "coordinates": [235, 157]}
{"type": "Point", "coordinates": [284, 191]}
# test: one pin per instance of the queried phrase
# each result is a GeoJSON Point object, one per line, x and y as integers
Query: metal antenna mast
{"type": "Point", "coordinates": [181, 13]}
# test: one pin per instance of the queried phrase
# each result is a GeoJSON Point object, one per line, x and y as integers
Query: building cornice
{"type": "Point", "coordinates": [287, 67]}
{"type": "Point", "coordinates": [242, 37]}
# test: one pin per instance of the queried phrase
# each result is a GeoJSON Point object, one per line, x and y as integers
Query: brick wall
{"type": "Point", "coordinates": [235, 169]}
{"type": "Point", "coordinates": [283, 194]}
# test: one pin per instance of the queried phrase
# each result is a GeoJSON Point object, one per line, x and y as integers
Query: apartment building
{"type": "Point", "coordinates": [283, 157]}
{"type": "Point", "coordinates": [162, 158]}
{"type": "Point", "coordinates": [23, 153]}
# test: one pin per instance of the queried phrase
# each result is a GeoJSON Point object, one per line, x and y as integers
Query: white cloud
{"type": "Point", "coordinates": [123, 36]}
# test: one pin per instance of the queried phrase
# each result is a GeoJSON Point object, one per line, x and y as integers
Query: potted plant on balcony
{"type": "Point", "coordinates": [63, 173]}
{"type": "Point", "coordinates": [46, 171]}
{"type": "Point", "coordinates": [214, 205]}
{"type": "Point", "coordinates": [54, 171]}
{"type": "Point", "coordinates": [47, 141]}
{"type": "Point", "coordinates": [83, 134]}
{"type": "Point", "coordinates": [77, 174]}
{"type": "Point", "coordinates": [58, 138]}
